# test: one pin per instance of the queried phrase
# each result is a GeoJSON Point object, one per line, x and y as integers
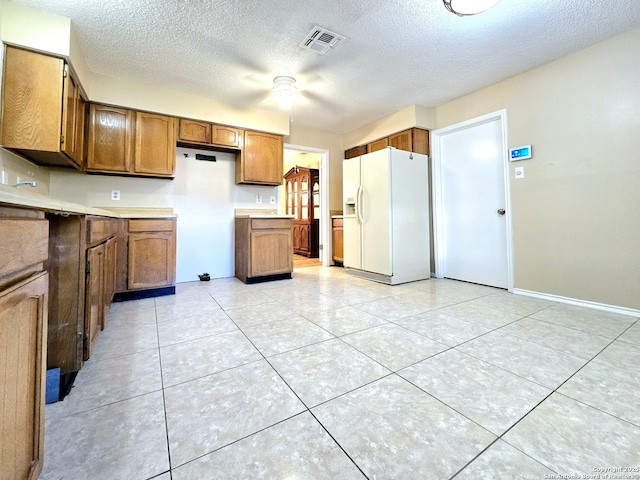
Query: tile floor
{"type": "Point", "coordinates": [327, 376]}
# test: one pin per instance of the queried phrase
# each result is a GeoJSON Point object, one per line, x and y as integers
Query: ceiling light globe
{"type": "Point", "coordinates": [468, 7]}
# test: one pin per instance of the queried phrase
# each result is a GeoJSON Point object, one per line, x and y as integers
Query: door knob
{"type": "Point", "coordinates": [501, 211]}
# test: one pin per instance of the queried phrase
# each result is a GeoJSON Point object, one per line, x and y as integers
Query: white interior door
{"type": "Point", "coordinates": [473, 239]}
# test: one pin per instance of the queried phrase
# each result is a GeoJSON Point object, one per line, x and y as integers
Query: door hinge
{"type": "Point", "coordinates": [88, 267]}
{"type": "Point", "coordinates": [85, 342]}
{"type": "Point", "coordinates": [61, 138]}
{"type": "Point", "coordinates": [64, 71]}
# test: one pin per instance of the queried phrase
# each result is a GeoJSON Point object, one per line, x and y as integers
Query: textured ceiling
{"type": "Point", "coordinates": [397, 52]}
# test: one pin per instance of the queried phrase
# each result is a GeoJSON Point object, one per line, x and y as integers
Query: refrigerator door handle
{"type": "Point", "coordinates": [360, 210]}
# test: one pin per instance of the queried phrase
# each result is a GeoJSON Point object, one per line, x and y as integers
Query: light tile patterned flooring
{"type": "Point", "coordinates": [327, 376]}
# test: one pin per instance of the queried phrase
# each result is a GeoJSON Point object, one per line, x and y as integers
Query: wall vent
{"type": "Point", "coordinates": [321, 40]}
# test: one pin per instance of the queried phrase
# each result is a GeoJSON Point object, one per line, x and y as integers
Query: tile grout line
{"type": "Point", "coordinates": [164, 398]}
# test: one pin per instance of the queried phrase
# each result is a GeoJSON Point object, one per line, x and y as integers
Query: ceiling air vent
{"type": "Point", "coordinates": [321, 40]}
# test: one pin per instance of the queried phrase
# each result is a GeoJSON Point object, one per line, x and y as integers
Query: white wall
{"type": "Point", "coordinates": [203, 194]}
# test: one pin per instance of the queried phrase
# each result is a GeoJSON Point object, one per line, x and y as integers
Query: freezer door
{"type": "Point", "coordinates": [376, 212]}
{"type": "Point", "coordinates": [350, 185]}
{"type": "Point", "coordinates": [350, 192]}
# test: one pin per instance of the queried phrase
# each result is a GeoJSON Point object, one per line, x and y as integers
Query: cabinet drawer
{"type": "Point", "coordinates": [99, 229]}
{"type": "Point", "coordinates": [151, 225]}
{"type": "Point", "coordinates": [24, 243]}
{"type": "Point", "coordinates": [270, 223]}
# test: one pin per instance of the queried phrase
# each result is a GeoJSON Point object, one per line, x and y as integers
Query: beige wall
{"type": "Point", "coordinates": [161, 100]}
{"type": "Point", "coordinates": [309, 137]}
{"type": "Point", "coordinates": [35, 29]}
{"type": "Point", "coordinates": [576, 218]}
{"type": "Point", "coordinates": [411, 116]}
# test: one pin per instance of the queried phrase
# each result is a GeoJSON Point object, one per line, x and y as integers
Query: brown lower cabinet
{"type": "Point", "coordinates": [147, 256]}
{"type": "Point", "coordinates": [81, 265]}
{"type": "Point", "coordinates": [264, 248]}
{"type": "Point", "coordinates": [337, 235]}
{"type": "Point", "coordinates": [23, 340]}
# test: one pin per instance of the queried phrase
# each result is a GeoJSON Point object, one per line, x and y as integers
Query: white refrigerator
{"type": "Point", "coordinates": [386, 216]}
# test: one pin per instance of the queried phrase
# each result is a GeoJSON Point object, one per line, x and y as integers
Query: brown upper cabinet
{"type": "Point", "coordinates": [260, 160]}
{"type": "Point", "coordinates": [378, 145]}
{"type": "Point", "coordinates": [209, 134]}
{"type": "Point", "coordinates": [411, 140]}
{"type": "Point", "coordinates": [125, 142]}
{"type": "Point", "coordinates": [110, 139]}
{"type": "Point", "coordinates": [155, 152]}
{"type": "Point", "coordinates": [42, 109]}
{"type": "Point", "coordinates": [355, 151]}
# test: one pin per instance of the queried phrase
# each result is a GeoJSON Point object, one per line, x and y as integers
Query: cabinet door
{"type": "Point", "coordinates": [261, 160]}
{"type": "Point", "coordinates": [271, 252]}
{"type": "Point", "coordinates": [338, 240]}
{"type": "Point", "coordinates": [355, 152]}
{"type": "Point", "coordinates": [70, 115]}
{"type": "Point", "coordinates": [378, 145]}
{"type": "Point", "coordinates": [192, 131]}
{"type": "Point", "coordinates": [304, 239]}
{"type": "Point", "coordinates": [155, 152]}
{"type": "Point", "coordinates": [31, 101]}
{"type": "Point", "coordinates": [109, 275]}
{"type": "Point", "coordinates": [296, 238]}
{"type": "Point", "coordinates": [110, 138]}
{"type": "Point", "coordinates": [151, 260]}
{"type": "Point", "coordinates": [402, 140]}
{"type": "Point", "coordinates": [94, 303]}
{"type": "Point", "coordinates": [225, 136]}
{"type": "Point", "coordinates": [81, 119]}
{"type": "Point", "coordinates": [23, 336]}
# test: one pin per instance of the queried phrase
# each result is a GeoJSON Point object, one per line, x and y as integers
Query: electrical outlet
{"type": "Point", "coordinates": [258, 198]}
{"type": "Point", "coordinates": [519, 171]}
{"type": "Point", "coordinates": [272, 200]}
{"type": "Point", "coordinates": [115, 194]}
{"type": "Point", "coordinates": [5, 178]}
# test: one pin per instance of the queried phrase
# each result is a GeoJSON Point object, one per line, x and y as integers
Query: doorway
{"type": "Point", "coordinates": [309, 157]}
{"type": "Point", "coordinates": [472, 211]}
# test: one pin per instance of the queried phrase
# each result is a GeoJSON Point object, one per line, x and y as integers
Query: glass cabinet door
{"type": "Point", "coordinates": [295, 199]}
{"type": "Point", "coordinates": [304, 198]}
{"type": "Point", "coordinates": [316, 200]}
{"type": "Point", "coordinates": [289, 197]}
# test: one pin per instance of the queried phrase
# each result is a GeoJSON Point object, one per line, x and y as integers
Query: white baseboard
{"type": "Point", "coordinates": [579, 303]}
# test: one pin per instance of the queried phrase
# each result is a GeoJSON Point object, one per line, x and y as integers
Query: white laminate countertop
{"type": "Point", "coordinates": [20, 197]}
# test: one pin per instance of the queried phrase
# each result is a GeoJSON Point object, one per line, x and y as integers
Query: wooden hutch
{"type": "Point", "coordinates": [302, 186]}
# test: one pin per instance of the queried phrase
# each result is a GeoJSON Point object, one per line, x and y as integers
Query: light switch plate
{"type": "Point", "coordinates": [5, 178]}
{"type": "Point", "coordinates": [272, 200]}
{"type": "Point", "coordinates": [258, 198]}
{"type": "Point", "coordinates": [519, 171]}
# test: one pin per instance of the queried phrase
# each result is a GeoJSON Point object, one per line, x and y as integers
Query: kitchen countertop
{"type": "Point", "coordinates": [11, 196]}
{"type": "Point", "coordinates": [259, 213]}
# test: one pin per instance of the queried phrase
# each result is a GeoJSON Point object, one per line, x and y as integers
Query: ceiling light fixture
{"type": "Point", "coordinates": [285, 90]}
{"type": "Point", "coordinates": [468, 7]}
